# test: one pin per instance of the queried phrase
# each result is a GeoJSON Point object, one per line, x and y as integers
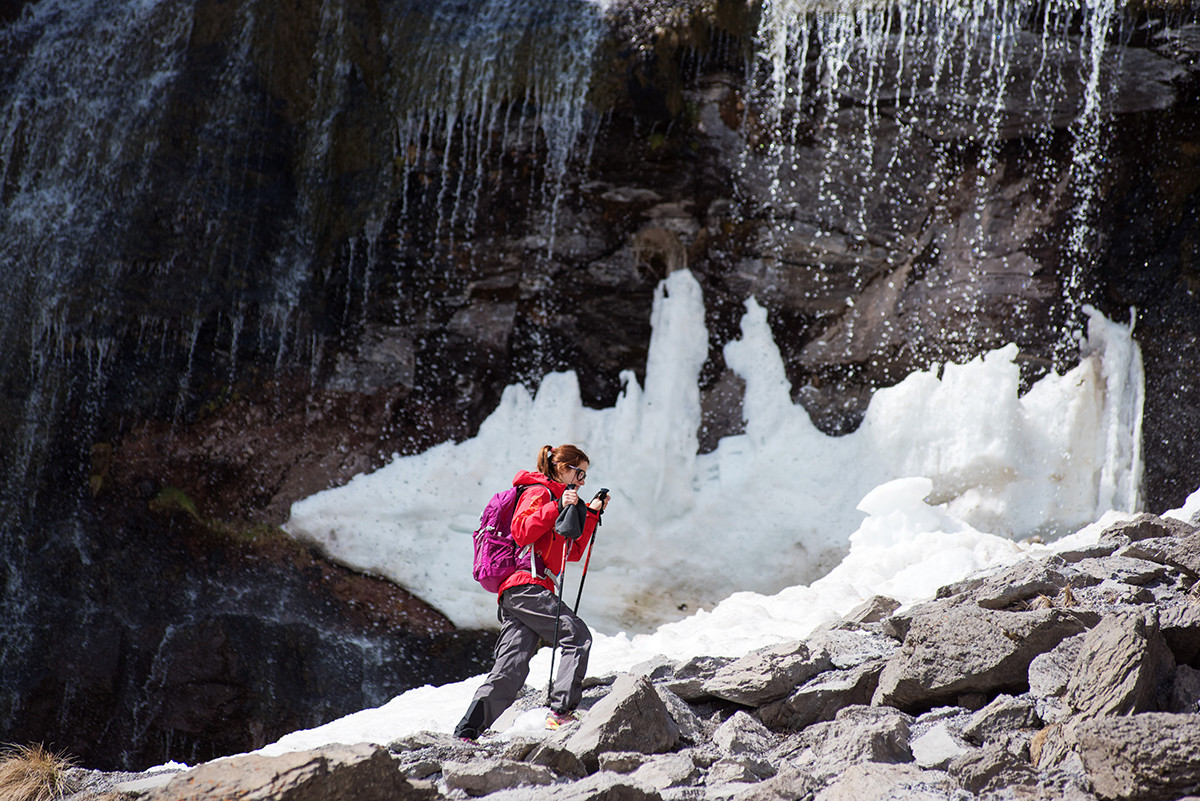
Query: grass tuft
{"type": "Point", "coordinates": [31, 773]}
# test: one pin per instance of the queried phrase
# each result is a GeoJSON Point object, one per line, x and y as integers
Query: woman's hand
{"type": "Point", "coordinates": [599, 504]}
{"type": "Point", "coordinates": [570, 497]}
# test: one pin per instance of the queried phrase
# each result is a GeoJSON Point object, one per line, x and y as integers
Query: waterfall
{"type": "Point", "coordinates": [861, 82]}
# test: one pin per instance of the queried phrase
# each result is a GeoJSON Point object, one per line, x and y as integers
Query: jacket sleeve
{"type": "Point", "coordinates": [579, 547]}
{"type": "Point", "coordinates": [535, 515]}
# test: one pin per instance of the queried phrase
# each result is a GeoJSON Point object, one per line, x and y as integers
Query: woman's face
{"type": "Point", "coordinates": [573, 473]}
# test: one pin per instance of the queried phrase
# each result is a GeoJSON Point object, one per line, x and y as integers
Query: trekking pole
{"type": "Point", "coordinates": [586, 561]}
{"type": "Point", "coordinates": [562, 579]}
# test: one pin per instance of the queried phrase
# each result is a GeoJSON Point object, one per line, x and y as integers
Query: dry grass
{"type": "Point", "coordinates": [31, 773]}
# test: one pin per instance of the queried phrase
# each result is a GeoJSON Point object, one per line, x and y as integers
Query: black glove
{"type": "Point", "coordinates": [570, 521]}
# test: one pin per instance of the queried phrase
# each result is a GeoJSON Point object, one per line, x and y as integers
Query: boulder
{"type": "Point", "coordinates": [1049, 674]}
{"type": "Point", "coordinates": [938, 746]}
{"type": "Point", "coordinates": [742, 735]}
{"type": "Point", "coordinates": [791, 783]}
{"type": "Point", "coordinates": [1121, 663]}
{"type": "Point", "coordinates": [691, 728]}
{"type": "Point", "coordinates": [690, 677]}
{"type": "Point", "coordinates": [990, 768]}
{"type": "Point", "coordinates": [363, 772]}
{"type": "Point", "coordinates": [1185, 690]}
{"type": "Point", "coordinates": [665, 771]}
{"type": "Point", "coordinates": [1180, 626]}
{"type": "Point", "coordinates": [1182, 553]}
{"type": "Point", "coordinates": [872, 610]}
{"type": "Point", "coordinates": [858, 734]}
{"type": "Point", "coordinates": [965, 649]}
{"type": "Point", "coordinates": [632, 717]}
{"type": "Point", "coordinates": [821, 697]}
{"type": "Point", "coordinates": [484, 776]}
{"type": "Point", "coordinates": [603, 786]}
{"type": "Point", "coordinates": [766, 674]}
{"type": "Point", "coordinates": [1002, 716]}
{"type": "Point", "coordinates": [872, 780]}
{"type": "Point", "coordinates": [1153, 756]}
{"type": "Point", "coordinates": [1147, 526]}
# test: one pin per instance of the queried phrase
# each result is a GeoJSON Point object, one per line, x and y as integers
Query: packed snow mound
{"type": "Point", "coordinates": [771, 508]}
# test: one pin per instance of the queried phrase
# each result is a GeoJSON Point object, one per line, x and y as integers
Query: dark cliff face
{"type": "Point", "coordinates": [283, 246]}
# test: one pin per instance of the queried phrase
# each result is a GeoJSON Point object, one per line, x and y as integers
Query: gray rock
{"type": "Point", "coordinates": [742, 735]}
{"type": "Point", "coordinates": [730, 770]}
{"type": "Point", "coordinates": [622, 761]}
{"type": "Point", "coordinates": [848, 648]}
{"type": "Point", "coordinates": [1021, 582]}
{"type": "Point", "coordinates": [632, 717]}
{"type": "Point", "coordinates": [657, 668]}
{"type": "Point", "coordinates": [689, 679]}
{"type": "Point", "coordinates": [858, 734]}
{"type": "Point", "coordinates": [966, 649]}
{"type": "Point", "coordinates": [880, 782]}
{"type": "Point", "coordinates": [1120, 666]}
{"type": "Point", "coordinates": [991, 768]}
{"type": "Point", "coordinates": [669, 770]}
{"type": "Point", "coordinates": [821, 697]}
{"type": "Point", "coordinates": [691, 727]}
{"type": "Point", "coordinates": [553, 755]}
{"type": "Point", "coordinates": [1147, 526]}
{"type": "Point", "coordinates": [1185, 690]}
{"type": "Point", "coordinates": [791, 783]}
{"type": "Point", "coordinates": [363, 771]}
{"type": "Point", "coordinates": [1049, 673]}
{"type": "Point", "coordinates": [1180, 626]}
{"type": "Point", "coordinates": [938, 746]}
{"type": "Point", "coordinates": [1178, 552]}
{"type": "Point", "coordinates": [484, 776]}
{"type": "Point", "coordinates": [766, 674]}
{"type": "Point", "coordinates": [1122, 568]}
{"type": "Point", "coordinates": [598, 787]}
{"type": "Point", "coordinates": [1151, 757]}
{"type": "Point", "coordinates": [872, 610]}
{"type": "Point", "coordinates": [1002, 716]}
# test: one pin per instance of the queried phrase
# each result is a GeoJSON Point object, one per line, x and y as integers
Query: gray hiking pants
{"type": "Point", "coordinates": [527, 616]}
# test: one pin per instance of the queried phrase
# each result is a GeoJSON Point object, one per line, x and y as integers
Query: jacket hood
{"type": "Point", "coordinates": [526, 477]}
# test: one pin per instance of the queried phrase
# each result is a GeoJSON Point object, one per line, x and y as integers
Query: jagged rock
{"type": "Point", "coordinates": [689, 679]}
{"type": "Point", "coordinates": [938, 746]}
{"type": "Point", "coordinates": [991, 768]}
{"type": "Point", "coordinates": [1120, 666]}
{"type": "Point", "coordinates": [742, 735]}
{"type": "Point", "coordinates": [848, 648]}
{"type": "Point", "coordinates": [1137, 572]}
{"type": "Point", "coordinates": [857, 734]}
{"type": "Point", "coordinates": [965, 649]}
{"type": "Point", "coordinates": [691, 728]}
{"type": "Point", "coordinates": [730, 770]}
{"type": "Point", "coordinates": [1003, 715]}
{"type": "Point", "coordinates": [365, 772]}
{"type": "Point", "coordinates": [872, 780]}
{"type": "Point", "coordinates": [1185, 690]}
{"type": "Point", "coordinates": [766, 674]}
{"type": "Point", "coordinates": [872, 610]}
{"type": "Point", "coordinates": [1150, 757]}
{"type": "Point", "coordinates": [1049, 674]}
{"type": "Point", "coordinates": [657, 668]}
{"type": "Point", "coordinates": [621, 761]}
{"type": "Point", "coordinates": [554, 756]}
{"type": "Point", "coordinates": [669, 770]}
{"type": "Point", "coordinates": [1147, 526]}
{"type": "Point", "coordinates": [1178, 552]}
{"type": "Point", "coordinates": [632, 717]}
{"type": "Point", "coordinates": [1011, 585]}
{"type": "Point", "coordinates": [603, 786]}
{"type": "Point", "coordinates": [484, 776]}
{"type": "Point", "coordinates": [1180, 626]}
{"type": "Point", "coordinates": [791, 783]}
{"type": "Point", "coordinates": [821, 697]}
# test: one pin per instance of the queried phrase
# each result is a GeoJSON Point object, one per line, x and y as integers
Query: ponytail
{"type": "Point", "coordinates": [545, 461]}
{"type": "Point", "coordinates": [550, 456]}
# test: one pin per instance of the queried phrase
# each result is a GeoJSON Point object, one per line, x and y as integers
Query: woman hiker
{"type": "Point", "coordinates": [529, 609]}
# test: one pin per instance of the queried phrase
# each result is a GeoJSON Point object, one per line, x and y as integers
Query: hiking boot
{"type": "Point", "coordinates": [556, 720]}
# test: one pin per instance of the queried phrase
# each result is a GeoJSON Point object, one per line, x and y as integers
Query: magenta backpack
{"type": "Point", "coordinates": [495, 549]}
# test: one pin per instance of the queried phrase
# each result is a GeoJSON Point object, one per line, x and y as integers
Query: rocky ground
{"type": "Point", "coordinates": [1072, 677]}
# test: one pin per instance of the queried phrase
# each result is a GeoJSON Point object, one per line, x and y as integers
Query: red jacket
{"type": "Point", "coordinates": [533, 522]}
